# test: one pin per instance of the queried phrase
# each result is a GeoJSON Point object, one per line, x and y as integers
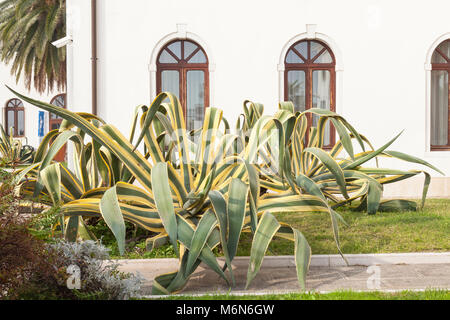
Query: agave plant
{"type": "Point", "coordinates": [12, 152]}
{"type": "Point", "coordinates": [337, 175]}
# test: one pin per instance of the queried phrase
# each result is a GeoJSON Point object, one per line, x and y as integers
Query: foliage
{"type": "Point", "coordinates": [99, 280]}
{"type": "Point", "coordinates": [27, 29]}
{"type": "Point", "coordinates": [12, 152]}
{"type": "Point", "coordinates": [201, 190]}
{"type": "Point", "coordinates": [336, 175]}
{"type": "Point", "coordinates": [27, 269]}
{"type": "Point", "coordinates": [44, 225]}
{"type": "Point", "coordinates": [30, 269]}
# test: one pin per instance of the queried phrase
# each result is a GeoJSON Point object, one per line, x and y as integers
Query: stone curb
{"type": "Point", "coordinates": [316, 260]}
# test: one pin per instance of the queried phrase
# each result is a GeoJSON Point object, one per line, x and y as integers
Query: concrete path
{"type": "Point", "coordinates": [327, 273]}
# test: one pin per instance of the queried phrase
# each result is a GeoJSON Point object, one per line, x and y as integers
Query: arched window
{"type": "Point", "coordinates": [182, 69]}
{"type": "Point", "coordinates": [440, 100]}
{"type": "Point", "coordinates": [55, 123]}
{"type": "Point", "coordinates": [310, 80]}
{"type": "Point", "coordinates": [15, 118]}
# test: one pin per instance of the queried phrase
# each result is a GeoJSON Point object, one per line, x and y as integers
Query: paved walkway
{"type": "Point", "coordinates": [278, 275]}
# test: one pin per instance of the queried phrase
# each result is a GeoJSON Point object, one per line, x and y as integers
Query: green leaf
{"type": "Point", "coordinates": [302, 257]}
{"type": "Point", "coordinates": [425, 189]}
{"type": "Point", "coordinates": [334, 222]}
{"type": "Point", "coordinates": [160, 283]}
{"type": "Point", "coordinates": [373, 198]}
{"type": "Point", "coordinates": [111, 213]}
{"type": "Point", "coordinates": [185, 235]}
{"type": "Point", "coordinates": [310, 186]}
{"type": "Point", "coordinates": [164, 202]}
{"type": "Point", "coordinates": [397, 205]}
{"type": "Point", "coordinates": [412, 159]}
{"type": "Point", "coordinates": [334, 168]}
{"type": "Point", "coordinates": [371, 155]}
{"type": "Point", "coordinates": [237, 200]}
{"type": "Point", "coordinates": [51, 177]}
{"type": "Point", "coordinates": [267, 228]}
{"type": "Point", "coordinates": [204, 229]}
{"type": "Point", "coordinates": [346, 140]}
{"type": "Point", "coordinates": [221, 212]}
{"type": "Point", "coordinates": [72, 229]}
{"type": "Point", "coordinates": [254, 181]}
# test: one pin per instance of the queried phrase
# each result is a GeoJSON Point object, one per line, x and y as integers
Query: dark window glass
{"type": "Point", "coordinates": [195, 99]}
{"type": "Point", "coordinates": [11, 121]}
{"type": "Point", "coordinates": [297, 89]}
{"type": "Point", "coordinates": [21, 123]}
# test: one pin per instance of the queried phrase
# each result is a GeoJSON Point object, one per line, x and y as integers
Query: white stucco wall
{"type": "Point", "coordinates": [382, 78]}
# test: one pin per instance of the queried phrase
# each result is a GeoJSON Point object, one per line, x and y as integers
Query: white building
{"type": "Point", "coordinates": [382, 64]}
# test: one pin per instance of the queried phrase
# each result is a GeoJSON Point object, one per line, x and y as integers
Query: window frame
{"type": "Point", "coordinates": [441, 67]}
{"type": "Point", "coordinates": [15, 108]}
{"type": "Point", "coordinates": [308, 67]}
{"type": "Point", "coordinates": [183, 66]}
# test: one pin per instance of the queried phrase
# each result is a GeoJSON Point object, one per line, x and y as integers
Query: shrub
{"type": "Point", "coordinates": [100, 278]}
{"type": "Point", "coordinates": [28, 270]}
{"type": "Point", "coordinates": [32, 269]}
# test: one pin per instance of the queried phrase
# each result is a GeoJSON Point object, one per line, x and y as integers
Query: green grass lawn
{"type": "Point", "coordinates": [340, 295]}
{"type": "Point", "coordinates": [389, 232]}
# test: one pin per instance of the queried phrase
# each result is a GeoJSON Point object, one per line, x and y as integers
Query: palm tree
{"type": "Point", "coordinates": [27, 28]}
